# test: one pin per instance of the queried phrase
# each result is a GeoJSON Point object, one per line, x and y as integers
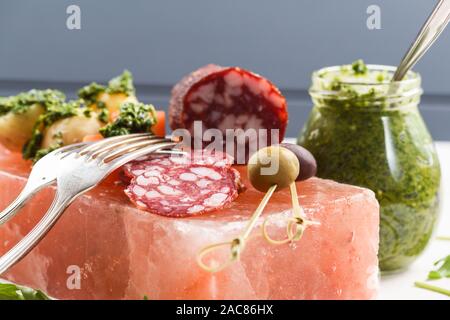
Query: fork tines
{"type": "Point", "coordinates": [76, 170]}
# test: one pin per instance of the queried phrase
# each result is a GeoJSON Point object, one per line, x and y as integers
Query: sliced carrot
{"type": "Point", "coordinates": [93, 137]}
{"type": "Point", "coordinates": [159, 128]}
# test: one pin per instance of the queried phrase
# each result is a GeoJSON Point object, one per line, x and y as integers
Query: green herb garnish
{"type": "Point", "coordinates": [122, 84]}
{"type": "Point", "coordinates": [103, 112]}
{"type": "Point", "coordinates": [9, 291]}
{"type": "Point", "coordinates": [31, 149]}
{"type": "Point", "coordinates": [133, 118]}
{"type": "Point", "coordinates": [442, 271]}
{"type": "Point", "coordinates": [103, 115]}
{"type": "Point", "coordinates": [43, 152]}
{"type": "Point", "coordinates": [23, 101]}
{"type": "Point", "coordinates": [359, 67]}
{"type": "Point", "coordinates": [380, 77]}
{"type": "Point", "coordinates": [426, 286]}
{"type": "Point", "coordinates": [90, 92]}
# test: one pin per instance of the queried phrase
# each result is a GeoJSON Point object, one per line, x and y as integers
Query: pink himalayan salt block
{"type": "Point", "coordinates": [122, 252]}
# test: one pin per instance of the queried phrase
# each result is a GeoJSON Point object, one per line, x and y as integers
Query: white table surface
{"type": "Point", "coordinates": [401, 285]}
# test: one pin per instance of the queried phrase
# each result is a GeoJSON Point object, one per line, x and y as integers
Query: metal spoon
{"type": "Point", "coordinates": [433, 27]}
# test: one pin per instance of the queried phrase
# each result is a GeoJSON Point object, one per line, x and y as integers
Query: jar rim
{"type": "Point", "coordinates": [375, 91]}
{"type": "Point", "coordinates": [410, 78]}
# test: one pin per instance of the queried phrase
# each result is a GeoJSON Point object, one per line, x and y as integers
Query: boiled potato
{"type": "Point", "coordinates": [71, 130]}
{"type": "Point", "coordinates": [113, 101]}
{"type": "Point", "coordinates": [17, 128]}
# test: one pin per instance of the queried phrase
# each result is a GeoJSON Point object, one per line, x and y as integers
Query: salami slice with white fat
{"type": "Point", "coordinates": [181, 186]}
{"type": "Point", "coordinates": [187, 157]}
{"type": "Point", "coordinates": [229, 98]}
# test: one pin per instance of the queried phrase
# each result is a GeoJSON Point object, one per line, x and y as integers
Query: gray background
{"type": "Point", "coordinates": [161, 40]}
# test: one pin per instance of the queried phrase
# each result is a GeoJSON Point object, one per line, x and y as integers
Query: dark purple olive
{"type": "Point", "coordinates": [308, 165]}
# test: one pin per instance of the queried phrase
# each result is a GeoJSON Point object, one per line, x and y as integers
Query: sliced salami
{"type": "Point", "coordinates": [229, 98]}
{"type": "Point", "coordinates": [182, 186]}
{"type": "Point", "coordinates": [189, 157]}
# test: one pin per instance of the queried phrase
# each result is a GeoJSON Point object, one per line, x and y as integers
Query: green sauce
{"type": "Point", "coordinates": [371, 136]}
{"type": "Point", "coordinates": [23, 101]}
{"type": "Point", "coordinates": [54, 112]}
{"type": "Point", "coordinates": [133, 118]}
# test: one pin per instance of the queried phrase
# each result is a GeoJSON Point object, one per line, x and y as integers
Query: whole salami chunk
{"type": "Point", "coordinates": [182, 186]}
{"type": "Point", "coordinates": [229, 98]}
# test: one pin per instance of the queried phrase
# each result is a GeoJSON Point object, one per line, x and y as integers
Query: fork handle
{"type": "Point", "coordinates": [25, 245]}
{"type": "Point", "coordinates": [27, 192]}
{"type": "Point", "coordinates": [433, 27]}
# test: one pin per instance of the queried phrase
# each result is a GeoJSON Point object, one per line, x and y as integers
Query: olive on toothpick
{"type": "Point", "coordinates": [307, 161]}
{"type": "Point", "coordinates": [279, 167]}
{"type": "Point", "coordinates": [273, 165]}
{"type": "Point", "coordinates": [269, 169]}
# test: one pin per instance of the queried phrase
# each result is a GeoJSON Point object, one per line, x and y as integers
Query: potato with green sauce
{"type": "Point", "coordinates": [19, 114]}
{"type": "Point", "coordinates": [61, 125]}
{"type": "Point", "coordinates": [106, 100]}
{"type": "Point", "coordinates": [71, 130]}
{"type": "Point", "coordinates": [16, 129]}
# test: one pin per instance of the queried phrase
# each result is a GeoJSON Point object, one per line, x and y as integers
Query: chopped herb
{"type": "Point", "coordinates": [432, 288]}
{"type": "Point", "coordinates": [87, 112]}
{"type": "Point", "coordinates": [103, 115]}
{"type": "Point", "coordinates": [9, 291]}
{"type": "Point", "coordinates": [103, 112]}
{"type": "Point", "coordinates": [33, 145]}
{"type": "Point", "coordinates": [4, 105]}
{"type": "Point", "coordinates": [90, 92]}
{"type": "Point", "coordinates": [43, 152]}
{"type": "Point", "coordinates": [443, 270]}
{"type": "Point", "coordinates": [359, 67]}
{"type": "Point", "coordinates": [23, 101]}
{"type": "Point", "coordinates": [61, 111]}
{"type": "Point", "coordinates": [380, 77]}
{"type": "Point", "coordinates": [335, 85]}
{"type": "Point", "coordinates": [345, 69]}
{"type": "Point", "coordinates": [133, 118]}
{"type": "Point", "coordinates": [101, 105]}
{"type": "Point", "coordinates": [122, 84]}
{"type": "Point", "coordinates": [53, 113]}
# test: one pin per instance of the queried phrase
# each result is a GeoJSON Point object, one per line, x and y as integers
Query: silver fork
{"type": "Point", "coordinates": [79, 172]}
{"type": "Point", "coordinates": [44, 173]}
{"type": "Point", "coordinates": [430, 31]}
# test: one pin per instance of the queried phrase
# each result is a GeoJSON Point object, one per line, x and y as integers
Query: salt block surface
{"type": "Point", "coordinates": [122, 252]}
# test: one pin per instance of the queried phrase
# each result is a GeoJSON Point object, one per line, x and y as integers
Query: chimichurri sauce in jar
{"type": "Point", "coordinates": [365, 131]}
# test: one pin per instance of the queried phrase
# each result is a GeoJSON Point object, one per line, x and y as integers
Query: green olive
{"type": "Point", "coordinates": [273, 165]}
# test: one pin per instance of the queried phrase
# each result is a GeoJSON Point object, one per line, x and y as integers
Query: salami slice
{"type": "Point", "coordinates": [189, 157]}
{"type": "Point", "coordinates": [229, 98]}
{"type": "Point", "coordinates": [182, 186]}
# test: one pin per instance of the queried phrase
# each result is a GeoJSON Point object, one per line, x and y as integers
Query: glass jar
{"type": "Point", "coordinates": [371, 134]}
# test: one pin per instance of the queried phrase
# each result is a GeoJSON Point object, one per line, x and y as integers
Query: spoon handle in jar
{"type": "Point", "coordinates": [433, 27]}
